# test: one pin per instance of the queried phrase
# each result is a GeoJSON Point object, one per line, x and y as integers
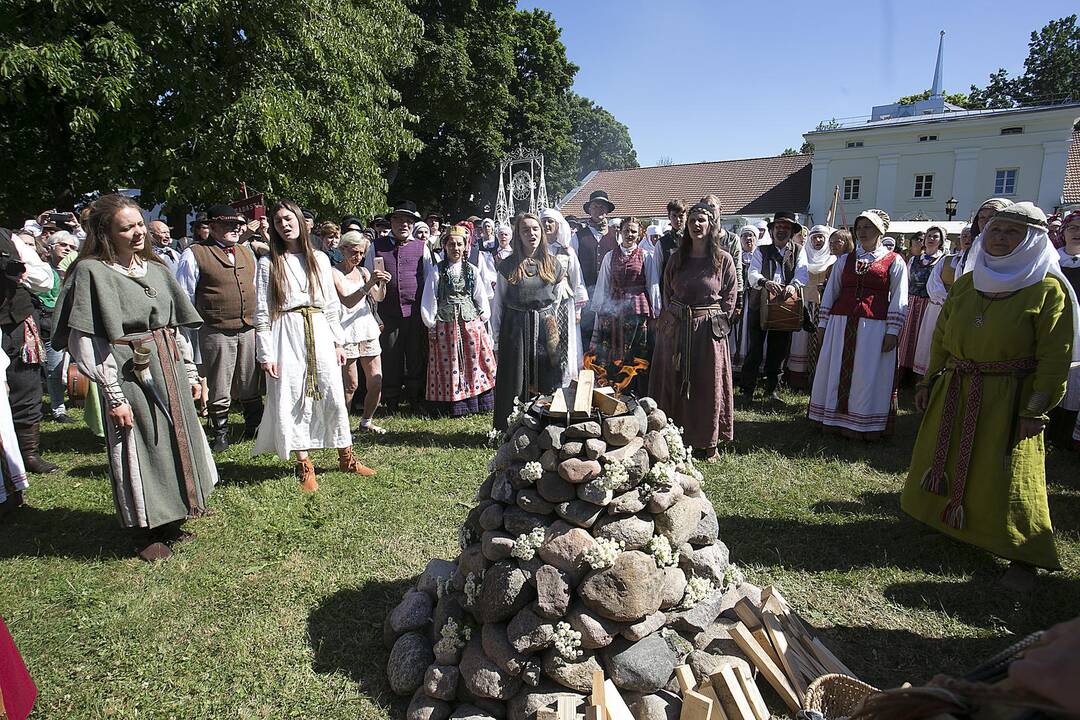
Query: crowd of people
{"type": "Point", "coordinates": [299, 325]}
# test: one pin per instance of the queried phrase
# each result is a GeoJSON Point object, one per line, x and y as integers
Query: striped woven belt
{"type": "Point", "coordinates": [311, 375]}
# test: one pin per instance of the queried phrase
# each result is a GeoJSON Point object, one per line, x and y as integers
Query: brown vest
{"type": "Point", "coordinates": [225, 292]}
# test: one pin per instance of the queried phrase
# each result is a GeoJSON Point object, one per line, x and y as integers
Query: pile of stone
{"type": "Point", "coordinates": [591, 546]}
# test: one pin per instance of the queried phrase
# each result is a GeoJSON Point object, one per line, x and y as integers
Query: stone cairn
{"type": "Point", "coordinates": [591, 546]}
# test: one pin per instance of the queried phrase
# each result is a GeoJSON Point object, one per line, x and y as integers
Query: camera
{"type": "Point", "coordinates": [11, 267]}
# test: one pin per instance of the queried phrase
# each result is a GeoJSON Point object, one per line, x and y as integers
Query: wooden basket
{"type": "Point", "coordinates": [781, 313]}
{"type": "Point", "coordinates": [836, 696]}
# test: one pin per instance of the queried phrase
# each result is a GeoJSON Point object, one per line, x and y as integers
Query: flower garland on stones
{"type": "Point", "coordinates": [696, 590]}
{"type": "Point", "coordinates": [567, 642]}
{"type": "Point", "coordinates": [526, 544]}
{"type": "Point", "coordinates": [454, 637]}
{"type": "Point", "coordinates": [603, 553]}
{"type": "Point", "coordinates": [616, 474]}
{"type": "Point", "coordinates": [532, 472]}
{"type": "Point", "coordinates": [660, 549]}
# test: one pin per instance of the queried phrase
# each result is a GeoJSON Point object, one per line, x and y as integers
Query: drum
{"type": "Point", "coordinates": [781, 313]}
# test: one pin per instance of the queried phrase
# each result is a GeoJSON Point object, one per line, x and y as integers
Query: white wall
{"type": "Point", "coordinates": [963, 160]}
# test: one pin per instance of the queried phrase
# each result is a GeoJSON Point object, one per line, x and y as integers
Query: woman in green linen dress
{"type": "Point", "coordinates": [999, 361]}
{"type": "Point", "coordinates": [118, 316]}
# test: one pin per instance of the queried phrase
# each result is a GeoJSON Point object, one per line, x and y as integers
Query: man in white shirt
{"type": "Point", "coordinates": [777, 270]}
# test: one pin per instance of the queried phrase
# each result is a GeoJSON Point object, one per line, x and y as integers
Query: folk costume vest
{"type": "Point", "coordinates": [921, 269]}
{"type": "Point", "coordinates": [591, 253]}
{"type": "Point", "coordinates": [225, 292]}
{"type": "Point", "coordinates": [405, 263]}
{"type": "Point", "coordinates": [16, 302]}
{"type": "Point", "coordinates": [864, 288]}
{"type": "Point", "coordinates": [455, 294]}
{"type": "Point", "coordinates": [948, 270]}
{"type": "Point", "coordinates": [628, 281]}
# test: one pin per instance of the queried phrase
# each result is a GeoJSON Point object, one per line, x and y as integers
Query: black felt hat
{"type": "Point", "coordinates": [789, 217]}
{"type": "Point", "coordinates": [602, 196]}
{"type": "Point", "coordinates": [224, 214]}
{"type": "Point", "coordinates": [406, 207]}
{"type": "Point", "coordinates": [351, 222]}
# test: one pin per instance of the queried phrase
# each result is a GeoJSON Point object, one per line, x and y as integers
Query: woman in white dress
{"type": "Point", "coordinates": [298, 343]}
{"type": "Point", "coordinates": [559, 242]}
{"type": "Point", "coordinates": [861, 315]}
{"type": "Point", "coordinates": [946, 271]}
{"type": "Point", "coordinates": [357, 291]}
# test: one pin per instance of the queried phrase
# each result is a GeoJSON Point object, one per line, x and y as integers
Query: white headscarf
{"type": "Point", "coordinates": [765, 239]}
{"type": "Point", "coordinates": [562, 237]}
{"type": "Point", "coordinates": [1032, 260]}
{"type": "Point", "coordinates": [819, 260]}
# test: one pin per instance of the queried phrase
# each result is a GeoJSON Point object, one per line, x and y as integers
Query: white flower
{"type": "Point", "coordinates": [660, 548]}
{"type": "Point", "coordinates": [526, 545]}
{"type": "Point", "coordinates": [531, 472]}
{"type": "Point", "coordinates": [494, 437]}
{"type": "Point", "coordinates": [472, 587]}
{"type": "Point", "coordinates": [673, 436]}
{"type": "Point", "coordinates": [603, 553]}
{"type": "Point", "coordinates": [454, 636]}
{"type": "Point", "coordinates": [567, 641]}
{"type": "Point", "coordinates": [516, 415]}
{"type": "Point", "coordinates": [615, 474]}
{"type": "Point", "coordinates": [696, 590]}
{"type": "Point", "coordinates": [662, 474]}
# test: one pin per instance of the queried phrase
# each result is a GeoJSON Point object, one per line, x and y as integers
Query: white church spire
{"type": "Point", "coordinates": [935, 91]}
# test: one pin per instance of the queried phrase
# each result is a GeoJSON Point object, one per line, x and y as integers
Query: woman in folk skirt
{"type": "Point", "coordinates": [455, 308]}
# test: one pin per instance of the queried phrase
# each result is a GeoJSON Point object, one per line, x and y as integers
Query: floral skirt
{"type": "Point", "coordinates": [461, 361]}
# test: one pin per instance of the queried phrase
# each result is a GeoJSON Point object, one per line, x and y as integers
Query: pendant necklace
{"type": "Point", "coordinates": [980, 317]}
{"type": "Point", "coordinates": [531, 267]}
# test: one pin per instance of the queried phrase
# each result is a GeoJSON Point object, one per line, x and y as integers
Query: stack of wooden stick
{"type": "Point", "coordinates": [605, 703]}
{"type": "Point", "coordinates": [728, 694]}
{"type": "Point", "coordinates": [779, 645]}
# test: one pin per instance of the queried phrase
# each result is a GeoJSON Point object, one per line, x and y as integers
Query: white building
{"type": "Point", "coordinates": [909, 160]}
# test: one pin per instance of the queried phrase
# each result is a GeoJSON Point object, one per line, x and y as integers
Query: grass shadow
{"type": "Point", "coordinates": [70, 438]}
{"type": "Point", "coordinates": [345, 631]}
{"type": "Point", "coordinates": [231, 472]}
{"type": "Point", "coordinates": [427, 439]}
{"type": "Point", "coordinates": [63, 532]}
{"type": "Point", "coordinates": [837, 545]}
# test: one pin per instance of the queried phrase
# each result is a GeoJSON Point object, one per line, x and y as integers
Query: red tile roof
{"type": "Point", "coordinates": [1070, 194]}
{"type": "Point", "coordinates": [755, 186]}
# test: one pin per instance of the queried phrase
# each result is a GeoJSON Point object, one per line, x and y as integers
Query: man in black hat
{"type": "Point", "coordinates": [22, 275]}
{"type": "Point", "coordinates": [351, 223]}
{"type": "Point", "coordinates": [381, 225]}
{"type": "Point", "coordinates": [404, 335]}
{"type": "Point", "coordinates": [219, 277]}
{"type": "Point", "coordinates": [777, 270]}
{"type": "Point", "coordinates": [434, 221]}
{"type": "Point", "coordinates": [593, 241]}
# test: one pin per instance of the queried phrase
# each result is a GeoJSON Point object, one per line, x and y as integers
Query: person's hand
{"type": "Point", "coordinates": [791, 292]}
{"type": "Point", "coordinates": [378, 276]}
{"type": "Point", "coordinates": [1050, 668]}
{"type": "Point", "coordinates": [341, 359]}
{"type": "Point", "coordinates": [270, 368]}
{"type": "Point", "coordinates": [889, 343]}
{"type": "Point", "coordinates": [736, 314]}
{"type": "Point", "coordinates": [264, 228]}
{"type": "Point", "coordinates": [820, 337]}
{"type": "Point", "coordinates": [196, 392]}
{"type": "Point", "coordinates": [922, 398]}
{"type": "Point", "coordinates": [1030, 427]}
{"type": "Point", "coordinates": [773, 288]}
{"type": "Point", "coordinates": [121, 416]}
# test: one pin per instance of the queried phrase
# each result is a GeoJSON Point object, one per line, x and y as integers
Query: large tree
{"type": "Point", "coordinates": [187, 99]}
{"type": "Point", "coordinates": [1051, 70]}
{"type": "Point", "coordinates": [603, 142]}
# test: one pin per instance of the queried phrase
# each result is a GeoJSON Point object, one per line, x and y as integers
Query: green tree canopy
{"type": "Point", "coordinates": [1051, 70]}
{"type": "Point", "coordinates": [186, 99]}
{"type": "Point", "coordinates": [603, 142]}
{"type": "Point", "coordinates": [959, 99]}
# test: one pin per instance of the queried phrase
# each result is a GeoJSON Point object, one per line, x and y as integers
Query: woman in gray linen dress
{"type": "Point", "coordinates": [690, 376]}
{"type": "Point", "coordinates": [118, 297]}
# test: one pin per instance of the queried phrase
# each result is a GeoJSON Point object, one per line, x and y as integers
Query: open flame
{"type": "Point", "coordinates": [626, 373]}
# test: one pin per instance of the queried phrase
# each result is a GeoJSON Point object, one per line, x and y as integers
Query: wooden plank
{"type": "Point", "coordinates": [597, 697]}
{"type": "Point", "coordinates": [748, 614]}
{"type": "Point", "coordinates": [614, 706]}
{"type": "Point", "coordinates": [558, 402]}
{"type": "Point", "coordinates": [750, 690]}
{"type": "Point", "coordinates": [594, 712]}
{"type": "Point", "coordinates": [729, 690]}
{"type": "Point", "coordinates": [583, 394]}
{"type": "Point", "coordinates": [830, 661]}
{"type": "Point", "coordinates": [717, 712]}
{"type": "Point", "coordinates": [695, 706]}
{"type": "Point", "coordinates": [566, 707]}
{"type": "Point", "coordinates": [686, 678]}
{"type": "Point", "coordinates": [608, 404]}
{"type": "Point", "coordinates": [790, 663]}
{"type": "Point", "coordinates": [761, 660]}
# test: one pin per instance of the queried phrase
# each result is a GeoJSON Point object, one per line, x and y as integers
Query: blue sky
{"type": "Point", "coordinates": [697, 80]}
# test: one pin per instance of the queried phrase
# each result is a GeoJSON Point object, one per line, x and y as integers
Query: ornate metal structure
{"type": "Point", "coordinates": [521, 185]}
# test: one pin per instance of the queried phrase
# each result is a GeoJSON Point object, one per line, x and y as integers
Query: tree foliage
{"type": "Point", "coordinates": [1051, 70]}
{"type": "Point", "coordinates": [186, 99]}
{"type": "Point", "coordinates": [603, 142]}
{"type": "Point", "coordinates": [959, 99]}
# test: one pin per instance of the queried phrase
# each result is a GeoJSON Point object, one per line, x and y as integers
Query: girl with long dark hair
{"type": "Point", "coordinates": [118, 317]}
{"type": "Point", "coordinates": [530, 318]}
{"type": "Point", "coordinates": [299, 343]}
{"type": "Point", "coordinates": [692, 351]}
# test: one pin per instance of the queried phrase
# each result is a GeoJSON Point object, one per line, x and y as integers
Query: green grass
{"type": "Point", "coordinates": [276, 609]}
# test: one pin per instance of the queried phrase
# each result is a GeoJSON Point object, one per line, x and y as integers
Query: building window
{"type": "Point", "coordinates": [855, 144]}
{"type": "Point", "coordinates": [927, 138]}
{"type": "Point", "coordinates": [1005, 182]}
{"type": "Point", "coordinates": [851, 188]}
{"type": "Point", "coordinates": [1012, 131]}
{"type": "Point", "coordinates": [924, 186]}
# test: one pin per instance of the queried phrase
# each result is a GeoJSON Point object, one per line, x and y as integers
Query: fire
{"type": "Point", "coordinates": [626, 372]}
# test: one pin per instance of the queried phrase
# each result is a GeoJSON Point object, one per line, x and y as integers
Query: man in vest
{"type": "Point", "coordinates": [668, 243]}
{"type": "Point", "coordinates": [219, 277]}
{"type": "Point", "coordinates": [776, 270]}
{"type": "Point", "coordinates": [404, 335]}
{"type": "Point", "coordinates": [23, 273]}
{"type": "Point", "coordinates": [595, 239]}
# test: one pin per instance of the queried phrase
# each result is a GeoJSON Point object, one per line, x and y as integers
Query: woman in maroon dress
{"type": "Point", "coordinates": [691, 336]}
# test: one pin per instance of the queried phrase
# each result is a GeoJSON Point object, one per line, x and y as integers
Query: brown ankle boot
{"type": "Point", "coordinates": [348, 462]}
{"type": "Point", "coordinates": [306, 472]}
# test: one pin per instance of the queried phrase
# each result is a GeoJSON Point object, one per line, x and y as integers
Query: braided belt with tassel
{"type": "Point", "coordinates": [683, 353]}
{"type": "Point", "coordinates": [311, 375]}
{"type": "Point", "coordinates": [935, 480]}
